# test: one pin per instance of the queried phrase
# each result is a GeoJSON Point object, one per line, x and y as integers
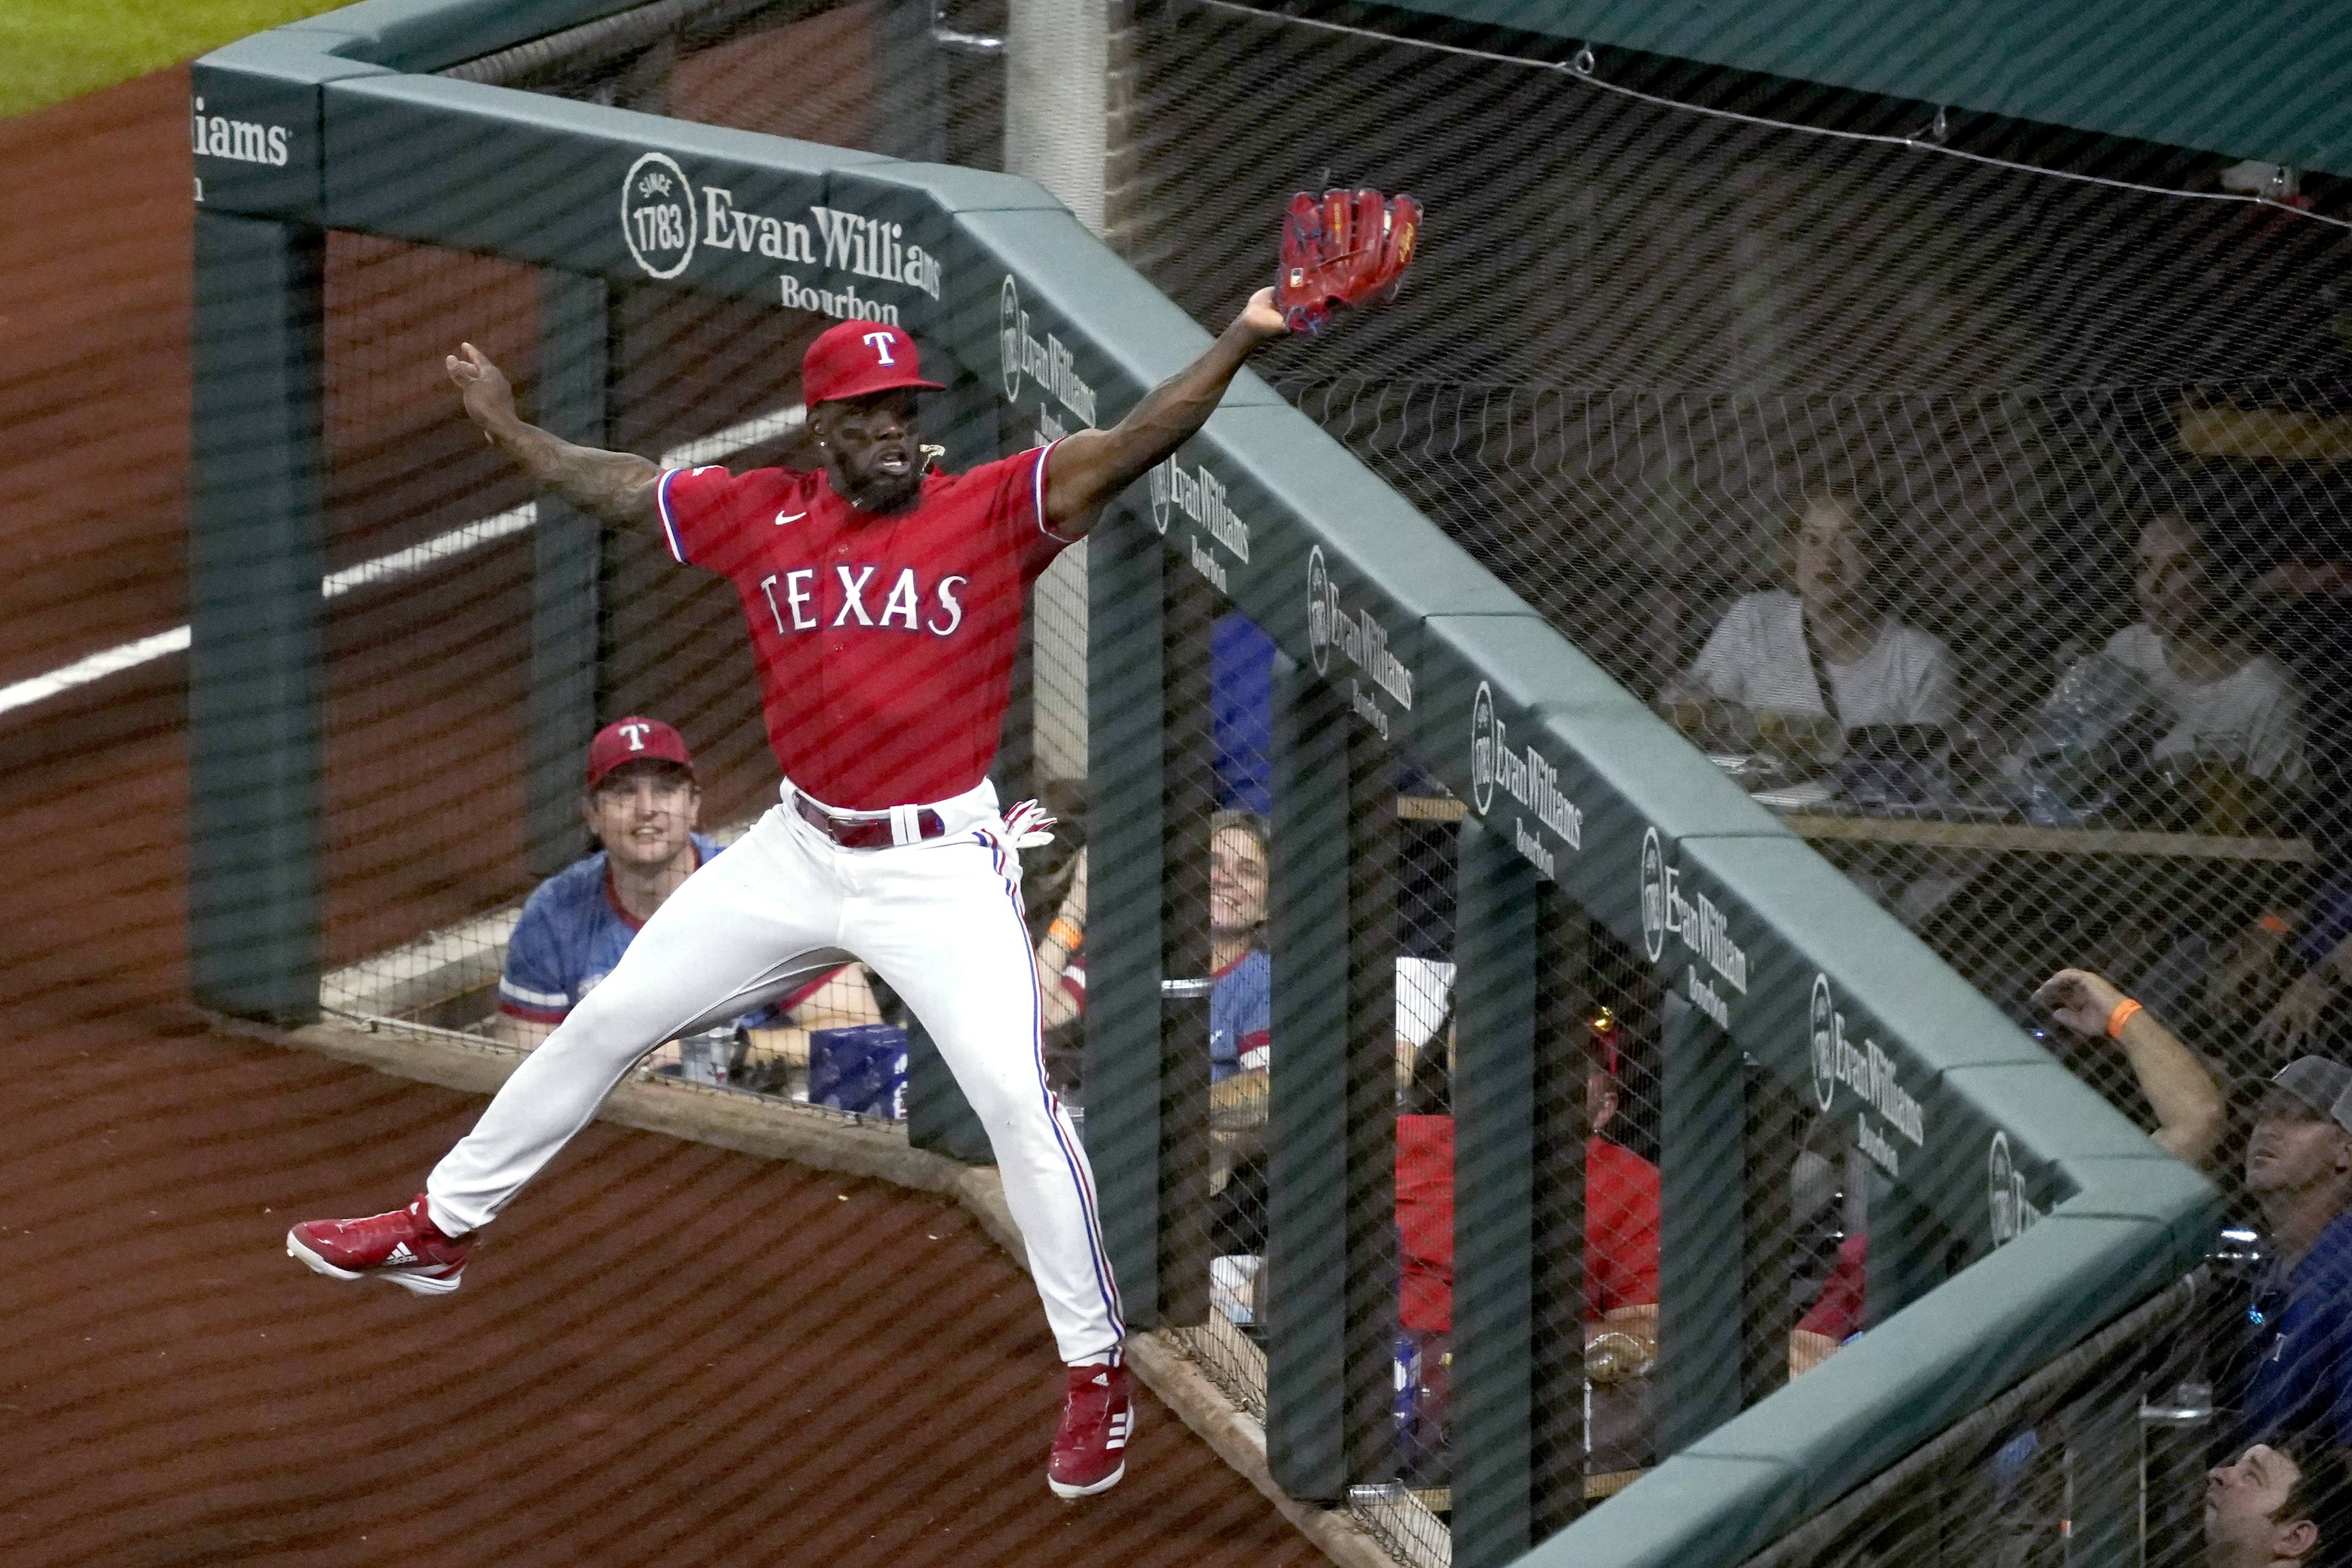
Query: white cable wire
{"type": "Point", "coordinates": [1585, 75]}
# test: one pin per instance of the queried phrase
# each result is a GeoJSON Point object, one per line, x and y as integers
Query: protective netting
{"type": "Point", "coordinates": [2031, 477]}
{"type": "Point", "coordinates": [1982, 522]}
{"type": "Point", "coordinates": [2106, 1451]}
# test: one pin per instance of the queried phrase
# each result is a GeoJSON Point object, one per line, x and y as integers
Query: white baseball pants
{"type": "Point", "coordinates": [939, 920]}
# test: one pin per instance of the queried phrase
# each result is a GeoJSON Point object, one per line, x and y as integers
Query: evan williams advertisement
{"type": "Point", "coordinates": [1362, 641]}
{"type": "Point", "coordinates": [1526, 775]}
{"type": "Point", "coordinates": [1702, 930]}
{"type": "Point", "coordinates": [667, 221]}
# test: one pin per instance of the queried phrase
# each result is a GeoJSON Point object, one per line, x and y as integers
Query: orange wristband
{"type": "Point", "coordinates": [2276, 925]}
{"type": "Point", "coordinates": [2120, 1017]}
{"type": "Point", "coordinates": [1069, 936]}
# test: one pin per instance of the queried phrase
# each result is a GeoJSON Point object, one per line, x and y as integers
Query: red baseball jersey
{"type": "Point", "coordinates": [884, 644]}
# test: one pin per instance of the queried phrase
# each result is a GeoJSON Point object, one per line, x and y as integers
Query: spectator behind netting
{"type": "Point", "coordinates": [643, 805]}
{"type": "Point", "coordinates": [1062, 982]}
{"type": "Point", "coordinates": [1240, 1003]}
{"type": "Point", "coordinates": [2286, 1504]}
{"type": "Point", "coordinates": [2189, 1106]}
{"type": "Point", "coordinates": [2292, 1370]}
{"type": "Point", "coordinates": [1621, 1204]}
{"type": "Point", "coordinates": [1801, 671]}
{"type": "Point", "coordinates": [1241, 1010]}
{"type": "Point", "coordinates": [2233, 715]}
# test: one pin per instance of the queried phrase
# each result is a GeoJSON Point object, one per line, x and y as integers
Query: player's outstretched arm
{"type": "Point", "coordinates": [1092, 466]}
{"type": "Point", "coordinates": [616, 488]}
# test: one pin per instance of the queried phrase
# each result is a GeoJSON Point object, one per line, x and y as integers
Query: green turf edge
{"type": "Point", "coordinates": [55, 50]}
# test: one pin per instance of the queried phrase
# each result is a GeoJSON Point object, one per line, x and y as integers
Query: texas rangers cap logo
{"type": "Point", "coordinates": [1482, 749]}
{"type": "Point", "coordinates": [1320, 610]}
{"type": "Point", "coordinates": [1008, 341]}
{"type": "Point", "coordinates": [657, 215]}
{"type": "Point", "coordinates": [1653, 897]}
{"type": "Point", "coordinates": [1824, 1027]}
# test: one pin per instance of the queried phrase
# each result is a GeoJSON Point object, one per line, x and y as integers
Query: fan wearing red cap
{"type": "Point", "coordinates": [643, 805]}
{"type": "Point", "coordinates": [884, 603]}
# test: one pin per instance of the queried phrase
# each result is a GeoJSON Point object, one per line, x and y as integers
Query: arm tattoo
{"type": "Point", "coordinates": [615, 487]}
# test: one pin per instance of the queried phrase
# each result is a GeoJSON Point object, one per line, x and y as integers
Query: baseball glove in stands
{"type": "Point", "coordinates": [1351, 247]}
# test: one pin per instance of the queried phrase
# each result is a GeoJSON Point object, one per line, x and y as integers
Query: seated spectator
{"type": "Point", "coordinates": [1241, 1010]}
{"type": "Point", "coordinates": [1241, 1000]}
{"type": "Point", "coordinates": [1829, 655]}
{"type": "Point", "coordinates": [2189, 1110]}
{"type": "Point", "coordinates": [1620, 1206]}
{"type": "Point", "coordinates": [2292, 1369]}
{"type": "Point", "coordinates": [1239, 872]}
{"type": "Point", "coordinates": [644, 807]}
{"type": "Point", "coordinates": [1061, 956]}
{"type": "Point", "coordinates": [2295, 1020]}
{"type": "Point", "coordinates": [2229, 708]}
{"type": "Point", "coordinates": [2317, 944]}
{"type": "Point", "coordinates": [2286, 1504]}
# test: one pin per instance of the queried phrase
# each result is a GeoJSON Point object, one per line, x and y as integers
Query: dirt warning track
{"type": "Point", "coordinates": [665, 1353]}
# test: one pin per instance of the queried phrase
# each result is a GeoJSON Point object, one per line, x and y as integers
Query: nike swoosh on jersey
{"type": "Point", "coordinates": [781, 519]}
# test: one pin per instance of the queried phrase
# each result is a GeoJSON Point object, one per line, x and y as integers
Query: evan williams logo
{"type": "Point", "coordinates": [1654, 892]}
{"type": "Point", "coordinates": [1824, 1024]}
{"type": "Point", "coordinates": [1871, 1072]}
{"type": "Point", "coordinates": [657, 215]}
{"type": "Point", "coordinates": [1322, 609]}
{"type": "Point", "coordinates": [1008, 348]}
{"type": "Point", "coordinates": [2013, 1216]}
{"type": "Point", "coordinates": [1705, 930]}
{"type": "Point", "coordinates": [1048, 364]}
{"type": "Point", "coordinates": [1526, 776]}
{"type": "Point", "coordinates": [1199, 496]}
{"type": "Point", "coordinates": [1360, 637]}
{"type": "Point", "coordinates": [1483, 745]}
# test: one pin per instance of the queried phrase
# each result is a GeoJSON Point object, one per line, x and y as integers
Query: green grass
{"type": "Point", "coordinates": [52, 49]}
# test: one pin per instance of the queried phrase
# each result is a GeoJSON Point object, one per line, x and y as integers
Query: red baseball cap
{"type": "Point", "coordinates": [634, 740]}
{"type": "Point", "coordinates": [855, 358]}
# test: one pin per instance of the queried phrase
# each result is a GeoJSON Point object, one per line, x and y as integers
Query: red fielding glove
{"type": "Point", "coordinates": [1352, 248]}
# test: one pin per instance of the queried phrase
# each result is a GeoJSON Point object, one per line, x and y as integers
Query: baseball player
{"type": "Point", "coordinates": [884, 603]}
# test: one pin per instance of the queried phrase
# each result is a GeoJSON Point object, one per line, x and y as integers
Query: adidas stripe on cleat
{"type": "Point", "coordinates": [403, 1248]}
{"type": "Point", "coordinates": [1090, 1448]}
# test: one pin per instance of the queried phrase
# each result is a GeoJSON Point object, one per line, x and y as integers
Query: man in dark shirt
{"type": "Point", "coordinates": [2294, 1370]}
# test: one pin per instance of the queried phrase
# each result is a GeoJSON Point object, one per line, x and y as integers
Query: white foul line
{"type": "Point", "coordinates": [443, 547]}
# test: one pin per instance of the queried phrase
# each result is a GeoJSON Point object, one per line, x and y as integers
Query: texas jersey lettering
{"type": "Point", "coordinates": [884, 644]}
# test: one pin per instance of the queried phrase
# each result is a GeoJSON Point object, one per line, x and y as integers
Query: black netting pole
{"type": "Point", "coordinates": [1775, 1128]}
{"type": "Point", "coordinates": [1494, 1108]}
{"type": "Point", "coordinates": [1368, 1409]}
{"type": "Point", "coordinates": [1127, 742]}
{"type": "Point", "coordinates": [575, 383]}
{"type": "Point", "coordinates": [1183, 1042]}
{"type": "Point", "coordinates": [1701, 1229]}
{"type": "Point", "coordinates": [1561, 1445]}
{"type": "Point", "coordinates": [256, 554]}
{"type": "Point", "coordinates": [1306, 1249]}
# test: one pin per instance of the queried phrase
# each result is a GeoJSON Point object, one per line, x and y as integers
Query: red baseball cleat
{"type": "Point", "coordinates": [1097, 1418]}
{"type": "Point", "coordinates": [405, 1247]}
